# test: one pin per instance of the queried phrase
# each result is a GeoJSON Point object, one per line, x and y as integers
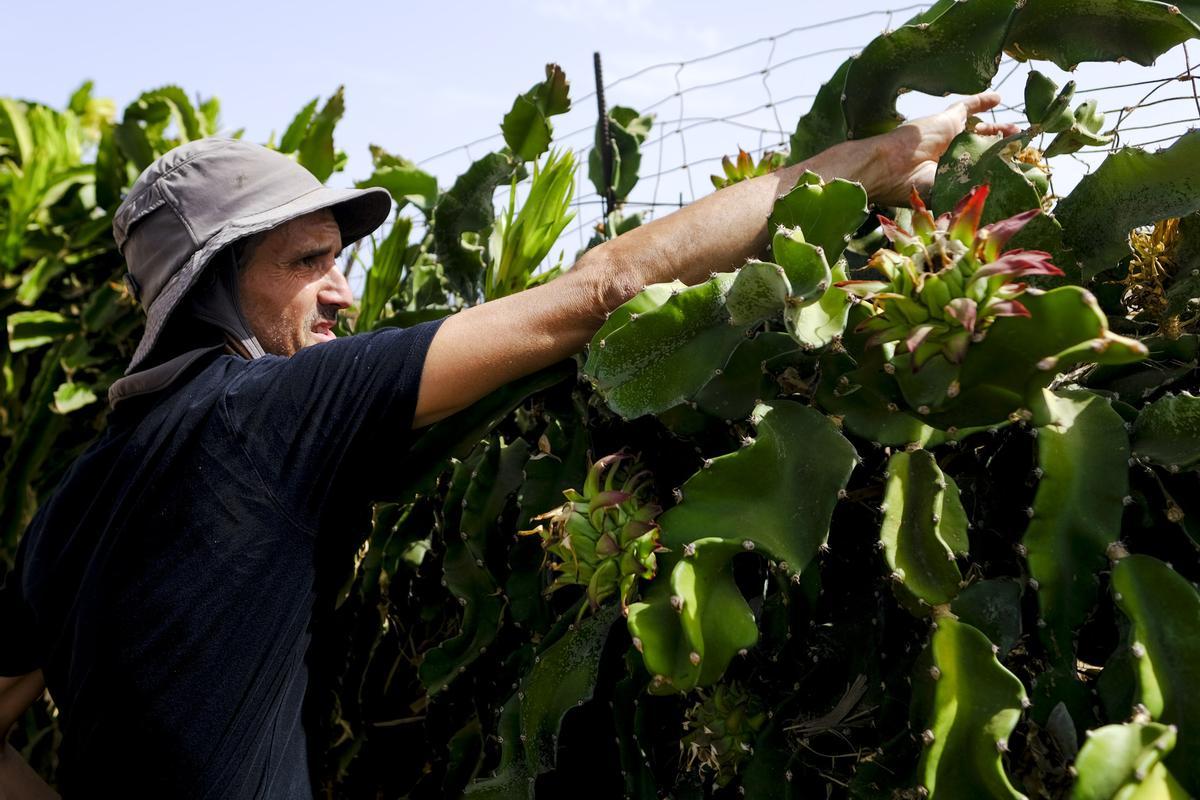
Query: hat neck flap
{"type": "Point", "coordinates": [214, 301]}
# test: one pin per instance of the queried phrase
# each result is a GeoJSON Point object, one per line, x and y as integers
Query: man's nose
{"type": "Point", "coordinates": [335, 290]}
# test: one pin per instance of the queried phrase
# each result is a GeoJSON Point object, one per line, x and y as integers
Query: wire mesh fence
{"type": "Point", "coordinates": [750, 96]}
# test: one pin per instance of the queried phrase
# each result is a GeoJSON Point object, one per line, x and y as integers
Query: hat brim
{"type": "Point", "coordinates": [358, 212]}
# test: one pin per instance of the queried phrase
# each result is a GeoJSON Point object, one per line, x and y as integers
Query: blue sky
{"type": "Point", "coordinates": [424, 77]}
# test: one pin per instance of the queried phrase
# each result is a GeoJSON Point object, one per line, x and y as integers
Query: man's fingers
{"type": "Point", "coordinates": [973, 104]}
{"type": "Point", "coordinates": [996, 129]}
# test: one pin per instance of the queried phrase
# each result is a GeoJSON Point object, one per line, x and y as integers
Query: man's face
{"type": "Point", "coordinates": [292, 288]}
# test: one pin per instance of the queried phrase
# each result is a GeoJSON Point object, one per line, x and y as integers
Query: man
{"type": "Point", "coordinates": [165, 591]}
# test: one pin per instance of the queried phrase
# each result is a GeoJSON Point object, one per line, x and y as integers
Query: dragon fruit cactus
{"type": "Point", "coordinates": [721, 729]}
{"type": "Point", "coordinates": [606, 536]}
{"type": "Point", "coordinates": [947, 279]}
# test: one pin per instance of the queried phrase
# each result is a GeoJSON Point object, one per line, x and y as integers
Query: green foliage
{"type": "Point", "coordinates": [1165, 611]}
{"type": "Point", "coordinates": [745, 168]}
{"type": "Point", "coordinates": [628, 131]}
{"type": "Point", "coordinates": [1124, 762]}
{"type": "Point", "coordinates": [950, 50]}
{"type": "Point", "coordinates": [477, 496]}
{"type": "Point", "coordinates": [778, 646]}
{"type": "Point", "coordinates": [695, 621]}
{"type": "Point", "coordinates": [1166, 432]}
{"type": "Point", "coordinates": [467, 208]}
{"type": "Point", "coordinates": [1068, 32]}
{"type": "Point", "coordinates": [924, 527]}
{"type": "Point", "coordinates": [1130, 188]}
{"type": "Point", "coordinates": [406, 182]}
{"type": "Point", "coordinates": [521, 240]}
{"type": "Point", "coordinates": [969, 705]}
{"type": "Point", "coordinates": [1076, 515]}
{"type": "Point", "coordinates": [526, 128]}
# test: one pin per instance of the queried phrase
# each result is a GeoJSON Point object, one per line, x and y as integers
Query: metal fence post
{"type": "Point", "coordinates": [606, 152]}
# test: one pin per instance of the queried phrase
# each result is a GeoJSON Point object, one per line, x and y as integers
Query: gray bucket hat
{"type": "Point", "coordinates": [204, 195]}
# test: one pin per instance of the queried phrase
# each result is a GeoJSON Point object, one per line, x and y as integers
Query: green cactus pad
{"type": "Point", "coordinates": [972, 160]}
{"type": "Point", "coordinates": [784, 485]}
{"type": "Point", "coordinates": [804, 263]}
{"type": "Point", "coordinates": [994, 607]}
{"type": "Point", "coordinates": [816, 325]}
{"type": "Point", "coordinates": [1069, 32]}
{"type": "Point", "coordinates": [824, 125]}
{"type": "Point", "coordinates": [479, 492]}
{"type": "Point", "coordinates": [467, 208]}
{"type": "Point", "coordinates": [1122, 762]}
{"type": "Point", "coordinates": [861, 400]}
{"type": "Point", "coordinates": [1045, 105]}
{"type": "Point", "coordinates": [1130, 188]}
{"type": "Point", "coordinates": [1020, 355]}
{"type": "Point", "coordinates": [828, 213]}
{"type": "Point", "coordinates": [923, 524]}
{"type": "Point", "coordinates": [662, 346]}
{"type": "Point", "coordinates": [956, 48]}
{"type": "Point", "coordinates": [760, 290]}
{"type": "Point", "coordinates": [1167, 432]}
{"type": "Point", "coordinates": [1165, 611]}
{"type": "Point", "coordinates": [629, 722]}
{"type": "Point", "coordinates": [746, 379]}
{"type": "Point", "coordinates": [1082, 454]}
{"type": "Point", "coordinates": [512, 779]}
{"type": "Point", "coordinates": [970, 704]}
{"type": "Point", "coordinates": [563, 677]}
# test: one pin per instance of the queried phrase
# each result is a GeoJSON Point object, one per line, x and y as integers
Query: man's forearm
{"type": "Point", "coordinates": [486, 346]}
{"type": "Point", "coordinates": [716, 233]}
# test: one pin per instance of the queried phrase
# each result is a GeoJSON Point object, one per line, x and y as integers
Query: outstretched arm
{"type": "Point", "coordinates": [484, 347]}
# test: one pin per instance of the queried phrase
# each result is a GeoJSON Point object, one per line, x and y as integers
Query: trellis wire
{"type": "Point", "coordinates": [771, 121]}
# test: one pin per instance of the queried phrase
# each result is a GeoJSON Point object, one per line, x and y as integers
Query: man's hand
{"type": "Point", "coordinates": [909, 154]}
{"type": "Point", "coordinates": [484, 347]}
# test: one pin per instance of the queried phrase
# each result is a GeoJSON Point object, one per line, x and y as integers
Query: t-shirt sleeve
{"type": "Point", "coordinates": [18, 653]}
{"type": "Point", "coordinates": [307, 421]}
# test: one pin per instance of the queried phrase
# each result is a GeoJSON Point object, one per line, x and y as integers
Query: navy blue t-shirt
{"type": "Point", "coordinates": [167, 587]}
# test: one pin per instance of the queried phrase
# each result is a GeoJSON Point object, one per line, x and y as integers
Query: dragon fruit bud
{"type": "Point", "coordinates": [923, 222]}
{"type": "Point", "coordinates": [964, 220]}
{"type": "Point", "coordinates": [604, 538]}
{"type": "Point", "coordinates": [945, 282]}
{"type": "Point", "coordinates": [996, 235]}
